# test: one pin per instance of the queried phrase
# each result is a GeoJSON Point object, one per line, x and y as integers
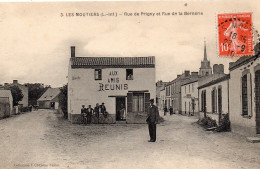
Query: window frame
{"type": "Point", "coordinates": [127, 74]}
{"type": "Point", "coordinates": [99, 76]}
{"type": "Point", "coordinates": [138, 96]}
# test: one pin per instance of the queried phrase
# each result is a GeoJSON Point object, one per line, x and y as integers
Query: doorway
{"type": "Point", "coordinates": [120, 109]}
{"type": "Point", "coordinates": [257, 100]}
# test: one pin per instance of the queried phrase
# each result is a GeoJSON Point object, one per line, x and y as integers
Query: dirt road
{"type": "Point", "coordinates": [43, 139]}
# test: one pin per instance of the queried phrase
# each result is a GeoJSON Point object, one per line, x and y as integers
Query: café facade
{"type": "Point", "coordinates": [121, 83]}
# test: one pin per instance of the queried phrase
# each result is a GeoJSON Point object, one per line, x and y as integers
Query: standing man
{"type": "Point", "coordinates": [152, 119]}
{"type": "Point", "coordinates": [171, 110]}
{"type": "Point", "coordinates": [89, 114]}
{"type": "Point", "coordinates": [165, 110]}
{"type": "Point", "coordinates": [103, 109]}
{"type": "Point", "coordinates": [96, 111]}
{"type": "Point", "coordinates": [83, 114]}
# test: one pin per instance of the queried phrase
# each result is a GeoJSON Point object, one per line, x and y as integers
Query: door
{"type": "Point", "coordinates": [120, 109]}
{"type": "Point", "coordinates": [257, 100]}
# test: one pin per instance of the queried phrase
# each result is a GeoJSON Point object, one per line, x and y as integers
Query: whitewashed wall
{"type": "Point", "coordinates": [83, 89]}
{"type": "Point", "coordinates": [242, 124]}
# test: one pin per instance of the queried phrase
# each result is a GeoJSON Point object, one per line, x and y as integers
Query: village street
{"type": "Point", "coordinates": [43, 139]}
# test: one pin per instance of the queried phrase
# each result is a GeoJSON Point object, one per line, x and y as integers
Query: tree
{"type": "Point", "coordinates": [16, 94]}
{"type": "Point", "coordinates": [35, 91]}
{"type": "Point", "coordinates": [63, 100]}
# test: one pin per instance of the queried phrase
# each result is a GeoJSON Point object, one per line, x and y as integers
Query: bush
{"type": "Point", "coordinates": [208, 122]}
{"type": "Point", "coordinates": [24, 109]}
{"type": "Point", "coordinates": [224, 124]}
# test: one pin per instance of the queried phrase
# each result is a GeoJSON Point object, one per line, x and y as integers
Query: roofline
{"type": "Point", "coordinates": [221, 79]}
{"type": "Point", "coordinates": [111, 66]}
{"type": "Point", "coordinates": [243, 62]}
{"type": "Point", "coordinates": [189, 82]}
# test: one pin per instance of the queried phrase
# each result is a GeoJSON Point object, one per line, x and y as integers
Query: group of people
{"type": "Point", "coordinates": [87, 113]}
{"type": "Point", "coordinates": [152, 116]}
{"type": "Point", "coordinates": [170, 109]}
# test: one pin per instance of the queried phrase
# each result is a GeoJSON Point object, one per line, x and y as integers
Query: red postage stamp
{"type": "Point", "coordinates": [235, 37]}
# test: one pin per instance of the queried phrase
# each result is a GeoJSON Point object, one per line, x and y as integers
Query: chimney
{"type": "Point", "coordinates": [218, 69]}
{"type": "Point", "coordinates": [194, 74]}
{"type": "Point", "coordinates": [72, 51]}
{"type": "Point", "coordinates": [15, 81]}
{"type": "Point", "coordinates": [186, 73]}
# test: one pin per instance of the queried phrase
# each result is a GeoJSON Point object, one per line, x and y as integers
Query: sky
{"type": "Point", "coordinates": [35, 39]}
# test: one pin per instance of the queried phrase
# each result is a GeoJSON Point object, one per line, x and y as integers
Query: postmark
{"type": "Point", "coordinates": [235, 34]}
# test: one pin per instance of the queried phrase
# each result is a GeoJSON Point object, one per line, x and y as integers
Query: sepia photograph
{"type": "Point", "coordinates": [130, 84]}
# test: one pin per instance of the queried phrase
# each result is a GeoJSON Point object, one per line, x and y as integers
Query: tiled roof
{"type": "Point", "coordinates": [241, 61]}
{"type": "Point", "coordinates": [93, 62]}
{"type": "Point", "coordinates": [50, 94]}
{"type": "Point", "coordinates": [215, 81]}
{"type": "Point", "coordinates": [5, 93]}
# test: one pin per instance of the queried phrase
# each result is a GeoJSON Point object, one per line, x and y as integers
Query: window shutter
{"type": "Point", "coordinates": [250, 95]}
{"type": "Point", "coordinates": [129, 102]}
{"type": "Point", "coordinates": [147, 101]}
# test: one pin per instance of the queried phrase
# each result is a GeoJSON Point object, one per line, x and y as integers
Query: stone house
{"type": "Point", "coordinates": [49, 99]}
{"type": "Point", "coordinates": [24, 89]}
{"type": "Point", "coordinates": [6, 103]}
{"type": "Point", "coordinates": [122, 83]}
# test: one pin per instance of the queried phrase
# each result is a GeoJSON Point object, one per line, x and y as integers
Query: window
{"type": "Point", "coordinates": [129, 74]}
{"type": "Point", "coordinates": [167, 90]}
{"type": "Point", "coordinates": [213, 100]}
{"type": "Point", "coordinates": [172, 91]}
{"type": "Point", "coordinates": [138, 102]}
{"type": "Point", "coordinates": [220, 100]}
{"type": "Point", "coordinates": [98, 74]}
{"type": "Point", "coordinates": [244, 96]}
{"type": "Point", "coordinates": [203, 101]}
{"type": "Point", "coordinates": [189, 88]}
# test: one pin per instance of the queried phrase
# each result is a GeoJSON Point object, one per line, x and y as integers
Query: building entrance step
{"type": "Point", "coordinates": [253, 139]}
{"type": "Point", "coordinates": [120, 122]}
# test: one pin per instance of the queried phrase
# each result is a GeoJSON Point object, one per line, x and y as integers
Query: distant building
{"type": "Point", "coordinates": [189, 94]}
{"type": "Point", "coordinates": [124, 84]}
{"type": "Point", "coordinates": [159, 86]}
{"type": "Point", "coordinates": [162, 100]}
{"type": "Point", "coordinates": [244, 95]}
{"type": "Point", "coordinates": [6, 103]}
{"type": "Point", "coordinates": [174, 98]}
{"type": "Point", "coordinates": [24, 89]}
{"type": "Point", "coordinates": [49, 99]}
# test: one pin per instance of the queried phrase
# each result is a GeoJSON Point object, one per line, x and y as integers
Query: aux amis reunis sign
{"type": "Point", "coordinates": [113, 83]}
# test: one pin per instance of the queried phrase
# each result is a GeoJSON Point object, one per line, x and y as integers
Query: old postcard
{"type": "Point", "coordinates": [123, 85]}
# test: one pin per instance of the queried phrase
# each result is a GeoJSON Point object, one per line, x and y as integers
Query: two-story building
{"type": "Point", "coordinates": [126, 83]}
{"type": "Point", "coordinates": [159, 86]}
{"type": "Point", "coordinates": [189, 94]}
{"type": "Point", "coordinates": [162, 99]}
